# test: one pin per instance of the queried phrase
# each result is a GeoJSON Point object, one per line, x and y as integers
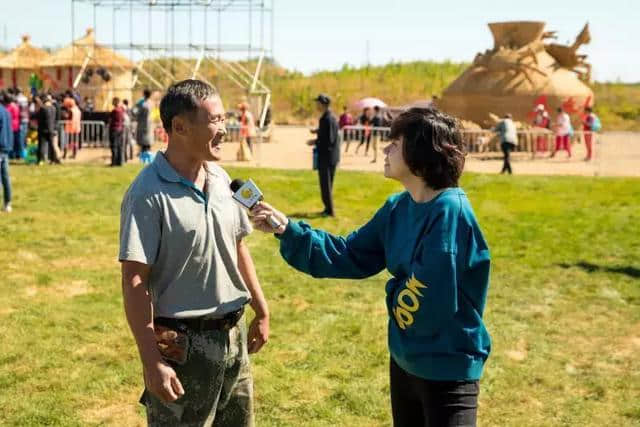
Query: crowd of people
{"type": "Point", "coordinates": [371, 119]}
{"type": "Point", "coordinates": [42, 112]}
{"type": "Point", "coordinates": [53, 123]}
{"type": "Point", "coordinates": [562, 129]}
{"type": "Point", "coordinates": [55, 120]}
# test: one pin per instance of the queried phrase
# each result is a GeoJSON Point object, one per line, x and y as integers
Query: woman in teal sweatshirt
{"type": "Point", "coordinates": [429, 240]}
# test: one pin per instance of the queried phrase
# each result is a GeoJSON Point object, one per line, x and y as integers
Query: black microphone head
{"type": "Point", "coordinates": [236, 184]}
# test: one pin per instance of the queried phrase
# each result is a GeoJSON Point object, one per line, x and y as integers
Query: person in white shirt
{"type": "Point", "coordinates": [563, 132]}
{"type": "Point", "coordinates": [508, 140]}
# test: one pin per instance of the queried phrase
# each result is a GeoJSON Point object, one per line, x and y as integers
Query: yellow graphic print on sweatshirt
{"type": "Point", "coordinates": [408, 302]}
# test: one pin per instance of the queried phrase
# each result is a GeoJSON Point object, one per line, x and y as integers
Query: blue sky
{"type": "Point", "coordinates": [315, 35]}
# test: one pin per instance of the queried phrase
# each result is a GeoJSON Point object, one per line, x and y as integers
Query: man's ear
{"type": "Point", "coordinates": [179, 125]}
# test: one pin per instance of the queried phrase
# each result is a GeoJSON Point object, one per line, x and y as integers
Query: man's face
{"type": "Point", "coordinates": [206, 130]}
{"type": "Point", "coordinates": [320, 107]}
{"type": "Point", "coordinates": [394, 165]}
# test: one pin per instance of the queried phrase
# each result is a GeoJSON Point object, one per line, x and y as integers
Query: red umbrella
{"type": "Point", "coordinates": [369, 102]}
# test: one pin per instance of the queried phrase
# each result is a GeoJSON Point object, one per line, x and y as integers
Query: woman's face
{"type": "Point", "coordinates": [394, 165]}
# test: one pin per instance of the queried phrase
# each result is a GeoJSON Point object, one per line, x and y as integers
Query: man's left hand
{"type": "Point", "coordinates": [258, 334]}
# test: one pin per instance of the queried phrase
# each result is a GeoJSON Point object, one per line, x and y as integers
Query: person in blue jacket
{"type": "Point", "coordinates": [428, 238]}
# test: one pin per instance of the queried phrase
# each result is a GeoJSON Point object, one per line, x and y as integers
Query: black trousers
{"type": "Point", "coordinates": [506, 151]}
{"type": "Point", "coordinates": [326, 174]}
{"type": "Point", "coordinates": [362, 141]}
{"type": "Point", "coordinates": [45, 141]}
{"type": "Point", "coordinates": [416, 402]}
{"type": "Point", "coordinates": [117, 149]}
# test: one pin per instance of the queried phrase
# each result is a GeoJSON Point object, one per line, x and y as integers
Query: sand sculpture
{"type": "Point", "coordinates": [520, 71]}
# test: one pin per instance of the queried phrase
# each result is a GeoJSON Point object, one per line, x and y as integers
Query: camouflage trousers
{"type": "Point", "coordinates": [217, 382]}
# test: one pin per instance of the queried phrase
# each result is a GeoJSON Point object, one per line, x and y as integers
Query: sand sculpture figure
{"type": "Point", "coordinates": [567, 57]}
{"type": "Point", "coordinates": [517, 72]}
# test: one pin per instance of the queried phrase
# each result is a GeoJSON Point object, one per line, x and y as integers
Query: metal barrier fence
{"type": "Point", "coordinates": [92, 133]}
{"type": "Point", "coordinates": [476, 141]}
{"type": "Point", "coordinates": [234, 134]}
{"type": "Point", "coordinates": [361, 133]}
{"type": "Point", "coordinates": [95, 133]}
{"type": "Point", "coordinates": [530, 141]}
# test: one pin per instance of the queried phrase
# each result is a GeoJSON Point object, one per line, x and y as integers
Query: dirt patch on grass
{"type": "Point", "coordinates": [20, 277]}
{"type": "Point", "coordinates": [300, 304]}
{"type": "Point", "coordinates": [629, 346]}
{"type": "Point", "coordinates": [31, 291]}
{"type": "Point", "coordinates": [121, 413]}
{"type": "Point", "coordinates": [84, 263]}
{"type": "Point", "coordinates": [73, 288]}
{"type": "Point", "coordinates": [59, 290]}
{"type": "Point", "coordinates": [519, 353]}
{"type": "Point", "coordinates": [27, 256]}
{"type": "Point", "coordinates": [5, 311]}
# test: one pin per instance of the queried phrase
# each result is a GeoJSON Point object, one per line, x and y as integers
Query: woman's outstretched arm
{"type": "Point", "coordinates": [321, 254]}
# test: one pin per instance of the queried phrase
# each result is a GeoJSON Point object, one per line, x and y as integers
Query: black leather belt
{"type": "Point", "coordinates": [203, 323]}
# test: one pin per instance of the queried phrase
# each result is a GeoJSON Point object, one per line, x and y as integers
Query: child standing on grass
{"type": "Point", "coordinates": [428, 238]}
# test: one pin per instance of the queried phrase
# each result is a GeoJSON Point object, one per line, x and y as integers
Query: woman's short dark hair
{"type": "Point", "coordinates": [433, 148]}
{"type": "Point", "coordinates": [184, 98]}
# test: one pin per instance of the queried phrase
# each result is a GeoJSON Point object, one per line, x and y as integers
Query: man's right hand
{"type": "Point", "coordinates": [161, 380]}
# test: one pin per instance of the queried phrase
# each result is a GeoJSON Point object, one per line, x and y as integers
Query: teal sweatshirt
{"type": "Point", "coordinates": [440, 266]}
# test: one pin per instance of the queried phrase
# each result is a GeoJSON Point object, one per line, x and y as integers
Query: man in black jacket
{"type": "Point", "coordinates": [328, 151]}
{"type": "Point", "coordinates": [46, 117]}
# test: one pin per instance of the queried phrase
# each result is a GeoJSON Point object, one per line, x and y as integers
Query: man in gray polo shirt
{"type": "Point", "coordinates": [187, 274]}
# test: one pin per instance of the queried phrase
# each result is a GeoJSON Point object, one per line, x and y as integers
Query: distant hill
{"type": "Point", "coordinates": [618, 104]}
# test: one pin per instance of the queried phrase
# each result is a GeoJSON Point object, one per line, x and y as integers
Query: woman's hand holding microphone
{"type": "Point", "coordinates": [260, 215]}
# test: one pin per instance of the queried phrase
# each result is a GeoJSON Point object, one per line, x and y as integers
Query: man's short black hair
{"type": "Point", "coordinates": [433, 147]}
{"type": "Point", "coordinates": [184, 98]}
{"type": "Point", "coordinates": [146, 93]}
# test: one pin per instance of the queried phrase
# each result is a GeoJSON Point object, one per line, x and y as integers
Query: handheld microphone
{"type": "Point", "coordinates": [248, 194]}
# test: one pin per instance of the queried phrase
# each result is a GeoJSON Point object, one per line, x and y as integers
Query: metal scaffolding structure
{"type": "Point", "coordinates": [159, 18]}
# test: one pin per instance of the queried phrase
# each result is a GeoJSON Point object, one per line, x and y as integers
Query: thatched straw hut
{"type": "Point", "coordinates": [17, 66]}
{"type": "Point", "coordinates": [105, 73]}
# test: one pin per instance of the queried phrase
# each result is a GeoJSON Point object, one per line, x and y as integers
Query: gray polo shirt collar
{"type": "Point", "coordinates": [168, 173]}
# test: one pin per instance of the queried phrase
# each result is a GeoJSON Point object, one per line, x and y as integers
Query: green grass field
{"type": "Point", "coordinates": [563, 307]}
